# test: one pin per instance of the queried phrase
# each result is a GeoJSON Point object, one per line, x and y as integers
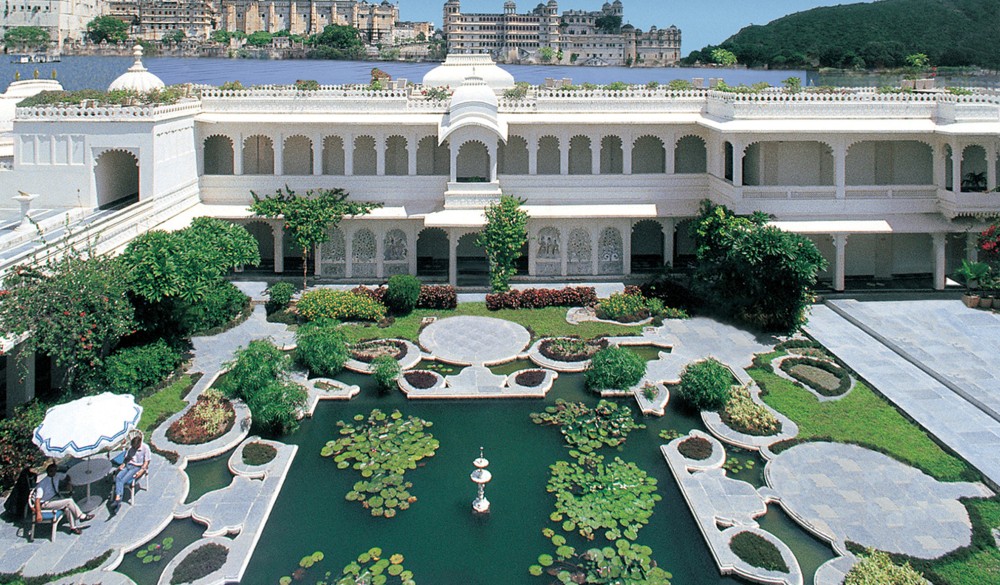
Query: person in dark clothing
{"type": "Point", "coordinates": [13, 507]}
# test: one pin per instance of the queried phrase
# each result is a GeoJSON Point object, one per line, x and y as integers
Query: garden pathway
{"type": "Point", "coordinates": [955, 421]}
{"type": "Point", "coordinates": [212, 352]}
{"type": "Point", "coordinates": [850, 493]}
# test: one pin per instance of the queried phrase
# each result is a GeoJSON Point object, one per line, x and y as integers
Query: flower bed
{"type": "Point", "coordinates": [757, 551]}
{"type": "Point", "coordinates": [211, 417]}
{"type": "Point", "coordinates": [566, 349]}
{"type": "Point", "coordinates": [745, 416]}
{"type": "Point", "coordinates": [258, 453]}
{"type": "Point", "coordinates": [823, 376]}
{"type": "Point", "coordinates": [539, 298]}
{"type": "Point", "coordinates": [202, 562]}
{"type": "Point", "coordinates": [369, 350]}
{"type": "Point", "coordinates": [420, 379]}
{"type": "Point", "coordinates": [440, 297]}
{"type": "Point", "coordinates": [530, 378]}
{"type": "Point", "coordinates": [340, 305]}
{"type": "Point", "coordinates": [695, 448]}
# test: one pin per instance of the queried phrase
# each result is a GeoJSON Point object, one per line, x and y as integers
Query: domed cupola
{"type": "Point", "coordinates": [456, 68]}
{"type": "Point", "coordinates": [137, 78]}
{"type": "Point", "coordinates": [474, 104]}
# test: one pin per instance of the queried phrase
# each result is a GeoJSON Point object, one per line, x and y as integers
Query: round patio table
{"type": "Point", "coordinates": [87, 472]}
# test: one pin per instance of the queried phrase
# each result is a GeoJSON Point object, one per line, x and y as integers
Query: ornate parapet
{"type": "Point", "coordinates": [88, 110]}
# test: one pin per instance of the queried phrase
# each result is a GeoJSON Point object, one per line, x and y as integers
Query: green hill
{"type": "Point", "coordinates": [875, 35]}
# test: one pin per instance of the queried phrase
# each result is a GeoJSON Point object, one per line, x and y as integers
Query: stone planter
{"type": "Point", "coordinates": [985, 302]}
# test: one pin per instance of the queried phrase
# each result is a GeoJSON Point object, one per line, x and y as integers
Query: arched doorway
{"type": "Point", "coordinates": [432, 254]}
{"type": "Point", "coordinates": [116, 177]}
{"type": "Point", "coordinates": [647, 246]}
{"type": "Point", "coordinates": [473, 269]}
{"type": "Point", "coordinates": [218, 153]}
{"type": "Point", "coordinates": [265, 243]}
{"type": "Point", "coordinates": [473, 163]}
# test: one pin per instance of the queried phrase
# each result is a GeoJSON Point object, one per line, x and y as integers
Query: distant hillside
{"type": "Point", "coordinates": [876, 35]}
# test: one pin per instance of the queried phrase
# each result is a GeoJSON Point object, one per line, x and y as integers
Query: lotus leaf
{"type": "Point", "coordinates": [286, 580]}
{"type": "Point", "coordinates": [364, 558]}
{"type": "Point", "coordinates": [588, 429]}
{"type": "Point", "coordinates": [558, 540]}
{"type": "Point", "coordinates": [157, 559]}
{"type": "Point", "coordinates": [148, 559]}
{"type": "Point", "coordinates": [306, 562]}
{"type": "Point", "coordinates": [396, 559]}
{"type": "Point", "coordinates": [548, 532]}
{"type": "Point", "coordinates": [545, 560]}
{"type": "Point", "coordinates": [141, 553]}
{"type": "Point", "coordinates": [379, 579]}
{"type": "Point", "coordinates": [535, 570]}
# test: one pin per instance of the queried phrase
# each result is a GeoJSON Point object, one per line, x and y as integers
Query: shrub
{"type": "Point", "coordinates": [569, 349]}
{"type": "Point", "coordinates": [876, 568]}
{"type": "Point", "coordinates": [321, 348]}
{"type": "Point", "coordinates": [402, 294]}
{"type": "Point", "coordinates": [695, 448]}
{"type": "Point", "coordinates": [16, 449]}
{"type": "Point", "coordinates": [221, 303]}
{"type": "Point", "coordinates": [338, 304]}
{"type": "Point", "coordinates": [539, 298]}
{"type": "Point", "coordinates": [257, 453]}
{"type": "Point", "coordinates": [385, 370]}
{"type": "Point", "coordinates": [671, 293]}
{"type": "Point", "coordinates": [614, 368]}
{"type": "Point", "coordinates": [279, 295]}
{"type": "Point", "coordinates": [757, 551]}
{"type": "Point", "coordinates": [259, 377]}
{"type": "Point", "coordinates": [131, 370]}
{"type": "Point", "coordinates": [624, 308]}
{"type": "Point", "coordinates": [211, 417]}
{"type": "Point", "coordinates": [744, 415]}
{"type": "Point", "coordinates": [203, 561]}
{"type": "Point", "coordinates": [437, 297]}
{"type": "Point", "coordinates": [377, 293]}
{"type": "Point", "coordinates": [705, 385]}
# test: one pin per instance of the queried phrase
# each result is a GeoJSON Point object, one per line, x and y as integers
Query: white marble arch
{"type": "Point", "coordinates": [116, 176]}
{"type": "Point", "coordinates": [690, 155]}
{"type": "Point", "coordinates": [364, 155]}
{"type": "Point", "coordinates": [573, 248]}
{"type": "Point", "coordinates": [333, 155]}
{"type": "Point", "coordinates": [258, 155]}
{"type": "Point", "coordinates": [369, 250]}
{"type": "Point", "coordinates": [297, 155]}
{"type": "Point", "coordinates": [218, 155]}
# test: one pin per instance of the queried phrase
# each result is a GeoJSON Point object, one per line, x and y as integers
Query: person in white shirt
{"type": "Point", "coordinates": [135, 465]}
{"type": "Point", "coordinates": [47, 498]}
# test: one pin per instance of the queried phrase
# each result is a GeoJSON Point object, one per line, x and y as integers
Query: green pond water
{"type": "Point", "coordinates": [443, 542]}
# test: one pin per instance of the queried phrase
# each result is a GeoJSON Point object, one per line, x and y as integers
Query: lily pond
{"type": "Point", "coordinates": [442, 541]}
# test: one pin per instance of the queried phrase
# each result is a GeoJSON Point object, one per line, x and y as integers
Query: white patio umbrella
{"type": "Point", "coordinates": [87, 426]}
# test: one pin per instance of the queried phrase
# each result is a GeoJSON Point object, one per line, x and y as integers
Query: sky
{"type": "Point", "coordinates": [702, 22]}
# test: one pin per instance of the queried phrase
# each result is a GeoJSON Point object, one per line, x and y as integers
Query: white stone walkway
{"type": "Point", "coordinates": [956, 422]}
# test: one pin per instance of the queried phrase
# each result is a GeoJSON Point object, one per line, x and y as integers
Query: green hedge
{"type": "Point", "coordinates": [221, 304]}
{"type": "Point", "coordinates": [706, 385]}
{"type": "Point", "coordinates": [843, 378]}
{"type": "Point", "coordinates": [321, 348]}
{"type": "Point", "coordinates": [340, 305]}
{"type": "Point", "coordinates": [614, 368]}
{"type": "Point", "coordinates": [759, 552]}
{"type": "Point", "coordinates": [133, 369]}
{"type": "Point", "coordinates": [279, 295]}
{"type": "Point", "coordinates": [202, 562]}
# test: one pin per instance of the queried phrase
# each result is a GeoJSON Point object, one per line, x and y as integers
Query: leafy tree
{"type": "Point", "coordinates": [421, 37]}
{"type": "Point", "coordinates": [221, 36]}
{"type": "Point", "coordinates": [174, 36]}
{"type": "Point", "coordinates": [608, 24]}
{"type": "Point", "coordinates": [73, 309]}
{"type": "Point", "coordinates": [760, 274]}
{"type": "Point", "coordinates": [261, 38]}
{"type": "Point", "coordinates": [184, 264]}
{"type": "Point", "coordinates": [545, 54]}
{"type": "Point", "coordinates": [724, 57]}
{"type": "Point", "coordinates": [259, 377]}
{"type": "Point", "coordinates": [308, 218]}
{"type": "Point", "coordinates": [30, 37]}
{"type": "Point", "coordinates": [338, 42]}
{"type": "Point", "coordinates": [502, 237]}
{"type": "Point", "coordinates": [107, 28]}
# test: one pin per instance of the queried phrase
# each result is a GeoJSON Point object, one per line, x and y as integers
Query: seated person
{"type": "Point", "coordinates": [47, 498]}
{"type": "Point", "coordinates": [134, 465]}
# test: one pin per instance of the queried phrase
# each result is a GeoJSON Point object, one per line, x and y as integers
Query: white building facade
{"type": "Point", "coordinates": [609, 178]}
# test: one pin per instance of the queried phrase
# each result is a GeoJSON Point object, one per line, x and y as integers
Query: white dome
{"type": "Point", "coordinates": [137, 78]}
{"type": "Point", "coordinates": [456, 68]}
{"type": "Point", "coordinates": [473, 92]}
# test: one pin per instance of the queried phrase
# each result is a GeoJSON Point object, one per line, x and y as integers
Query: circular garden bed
{"type": "Point", "coordinates": [420, 379]}
{"type": "Point", "coordinates": [824, 377]}
{"type": "Point", "coordinates": [695, 448]}
{"type": "Point", "coordinates": [211, 417]}
{"type": "Point", "coordinates": [568, 349]}
{"type": "Point", "coordinates": [367, 351]}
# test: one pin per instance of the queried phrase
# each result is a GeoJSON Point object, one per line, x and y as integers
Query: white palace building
{"type": "Point", "coordinates": [609, 178]}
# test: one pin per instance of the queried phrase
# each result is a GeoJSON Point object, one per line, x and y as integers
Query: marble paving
{"type": "Point", "coordinates": [474, 340]}
{"type": "Point", "coordinates": [212, 353]}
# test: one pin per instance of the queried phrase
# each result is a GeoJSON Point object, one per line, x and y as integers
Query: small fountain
{"type": "Point", "coordinates": [481, 476]}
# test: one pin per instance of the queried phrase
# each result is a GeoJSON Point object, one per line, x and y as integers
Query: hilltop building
{"type": "Point", "coordinates": [610, 179]}
{"type": "Point", "coordinates": [64, 20]}
{"type": "Point", "coordinates": [151, 20]}
{"type": "Point", "coordinates": [376, 21]}
{"type": "Point", "coordinates": [574, 37]}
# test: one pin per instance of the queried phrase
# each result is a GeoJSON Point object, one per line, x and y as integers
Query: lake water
{"type": "Point", "coordinates": [99, 72]}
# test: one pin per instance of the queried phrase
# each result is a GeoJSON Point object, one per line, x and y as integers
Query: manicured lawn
{"type": "Point", "coordinates": [547, 322]}
{"type": "Point", "coordinates": [979, 563]}
{"type": "Point", "coordinates": [863, 418]}
{"type": "Point", "coordinates": [164, 403]}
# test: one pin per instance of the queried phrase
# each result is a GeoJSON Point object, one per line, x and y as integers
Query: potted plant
{"type": "Point", "coordinates": [972, 273]}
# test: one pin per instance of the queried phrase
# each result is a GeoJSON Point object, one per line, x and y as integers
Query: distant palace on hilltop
{"type": "Point", "coordinates": [576, 37]}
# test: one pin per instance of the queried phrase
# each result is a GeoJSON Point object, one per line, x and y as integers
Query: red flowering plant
{"type": "Point", "coordinates": [73, 308]}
